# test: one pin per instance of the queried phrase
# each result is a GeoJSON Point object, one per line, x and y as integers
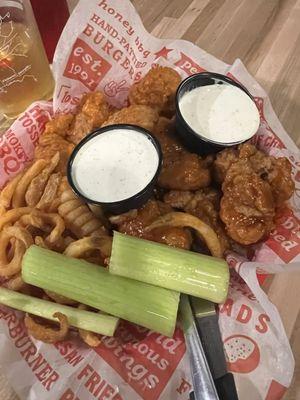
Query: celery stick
{"type": "Point", "coordinates": [181, 270]}
{"type": "Point", "coordinates": [152, 307]}
{"type": "Point", "coordinates": [91, 321]}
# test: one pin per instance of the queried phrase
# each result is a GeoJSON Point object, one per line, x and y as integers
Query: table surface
{"type": "Point", "coordinates": [265, 35]}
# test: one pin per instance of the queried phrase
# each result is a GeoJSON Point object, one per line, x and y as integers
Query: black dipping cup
{"type": "Point", "coordinates": [122, 206]}
{"type": "Point", "coordinates": [195, 142]}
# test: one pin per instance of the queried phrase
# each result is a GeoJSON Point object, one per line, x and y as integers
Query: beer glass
{"type": "Point", "coordinates": [25, 75]}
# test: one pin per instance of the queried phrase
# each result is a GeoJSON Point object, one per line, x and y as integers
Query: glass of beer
{"type": "Point", "coordinates": [25, 75]}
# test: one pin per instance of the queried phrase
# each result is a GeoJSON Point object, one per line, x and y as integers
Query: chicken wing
{"type": "Point", "coordinates": [247, 205]}
{"type": "Point", "coordinates": [184, 171]}
{"type": "Point", "coordinates": [164, 131]}
{"type": "Point", "coordinates": [49, 145]}
{"type": "Point", "coordinates": [143, 116]}
{"type": "Point", "coordinates": [65, 130]}
{"type": "Point", "coordinates": [222, 163]}
{"type": "Point", "coordinates": [276, 171]}
{"type": "Point", "coordinates": [134, 223]}
{"type": "Point", "coordinates": [92, 112]}
{"type": "Point", "coordinates": [181, 170]}
{"type": "Point", "coordinates": [203, 204]}
{"type": "Point", "coordinates": [59, 125]}
{"type": "Point", "coordinates": [157, 89]}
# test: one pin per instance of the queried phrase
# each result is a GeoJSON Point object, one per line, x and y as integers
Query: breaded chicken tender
{"type": "Point", "coordinates": [53, 140]}
{"type": "Point", "coordinates": [49, 146]}
{"type": "Point", "coordinates": [157, 89]}
{"type": "Point", "coordinates": [65, 130]}
{"type": "Point", "coordinates": [143, 116]}
{"type": "Point", "coordinates": [92, 112]}
{"type": "Point", "coordinates": [59, 125]}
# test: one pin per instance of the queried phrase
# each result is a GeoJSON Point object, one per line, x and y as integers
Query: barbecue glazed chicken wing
{"type": "Point", "coordinates": [222, 163]}
{"type": "Point", "coordinates": [135, 222]}
{"type": "Point", "coordinates": [181, 170]}
{"type": "Point", "coordinates": [254, 184]}
{"type": "Point", "coordinates": [247, 205]}
{"type": "Point", "coordinates": [184, 171]}
{"type": "Point", "coordinates": [275, 171]}
{"type": "Point", "coordinates": [203, 204]}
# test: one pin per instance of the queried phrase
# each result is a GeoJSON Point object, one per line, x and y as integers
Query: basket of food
{"type": "Point", "coordinates": [157, 170]}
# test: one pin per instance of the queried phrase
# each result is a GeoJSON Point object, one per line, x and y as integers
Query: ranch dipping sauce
{"type": "Point", "coordinates": [221, 113]}
{"type": "Point", "coordinates": [114, 165]}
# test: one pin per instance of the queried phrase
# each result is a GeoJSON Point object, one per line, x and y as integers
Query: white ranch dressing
{"type": "Point", "coordinates": [222, 113]}
{"type": "Point", "coordinates": [114, 165]}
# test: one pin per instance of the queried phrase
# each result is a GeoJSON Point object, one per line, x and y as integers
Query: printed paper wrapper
{"type": "Point", "coordinates": [105, 47]}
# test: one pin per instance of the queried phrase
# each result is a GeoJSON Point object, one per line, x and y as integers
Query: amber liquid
{"type": "Point", "coordinates": [25, 75]}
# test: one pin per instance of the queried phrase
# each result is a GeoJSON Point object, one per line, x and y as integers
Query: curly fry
{"type": "Point", "coordinates": [73, 208]}
{"type": "Point", "coordinates": [99, 213]}
{"type": "Point", "coordinates": [45, 333]}
{"type": "Point", "coordinates": [65, 191]}
{"type": "Point", "coordinates": [39, 241]}
{"type": "Point", "coordinates": [18, 199]}
{"type": "Point", "coordinates": [68, 240]}
{"type": "Point", "coordinates": [59, 298]}
{"type": "Point", "coordinates": [8, 191]}
{"type": "Point", "coordinates": [90, 226]}
{"type": "Point", "coordinates": [90, 338]}
{"type": "Point", "coordinates": [119, 219]}
{"type": "Point", "coordinates": [60, 245]}
{"type": "Point", "coordinates": [19, 233]}
{"type": "Point", "coordinates": [42, 220]}
{"type": "Point", "coordinates": [24, 240]}
{"type": "Point", "coordinates": [37, 185]}
{"type": "Point", "coordinates": [15, 283]}
{"type": "Point", "coordinates": [9, 268]}
{"type": "Point", "coordinates": [11, 216]}
{"type": "Point", "coordinates": [180, 219]}
{"type": "Point", "coordinates": [59, 227]}
{"type": "Point", "coordinates": [78, 248]}
{"type": "Point", "coordinates": [50, 192]}
{"type": "Point", "coordinates": [78, 218]}
{"type": "Point", "coordinates": [83, 219]}
{"type": "Point", "coordinates": [53, 207]}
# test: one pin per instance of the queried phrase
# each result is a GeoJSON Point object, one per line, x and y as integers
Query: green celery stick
{"type": "Point", "coordinates": [91, 321]}
{"type": "Point", "coordinates": [180, 270]}
{"type": "Point", "coordinates": [150, 306]}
